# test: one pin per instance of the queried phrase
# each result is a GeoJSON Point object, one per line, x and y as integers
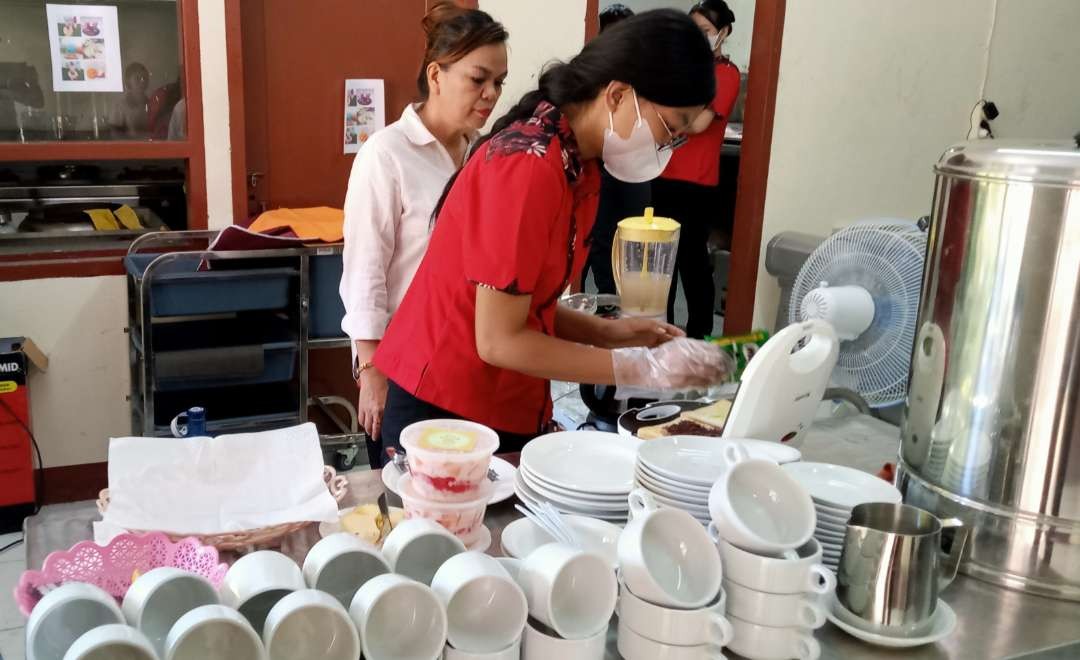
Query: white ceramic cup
{"type": "Point", "coordinates": [704, 626]}
{"type": "Point", "coordinates": [112, 642]}
{"type": "Point", "coordinates": [398, 619]}
{"type": "Point", "coordinates": [543, 644]}
{"type": "Point", "coordinates": [666, 557]}
{"type": "Point", "coordinates": [757, 505]}
{"type": "Point", "coordinates": [310, 624]}
{"type": "Point", "coordinates": [485, 608]}
{"type": "Point", "coordinates": [256, 582]}
{"type": "Point", "coordinates": [512, 652]}
{"type": "Point", "coordinates": [774, 610]}
{"type": "Point", "coordinates": [213, 632]}
{"type": "Point", "coordinates": [571, 591]}
{"type": "Point", "coordinates": [775, 575]}
{"type": "Point", "coordinates": [64, 615]}
{"type": "Point", "coordinates": [765, 643]}
{"type": "Point", "coordinates": [340, 564]}
{"type": "Point", "coordinates": [417, 547]}
{"type": "Point", "coordinates": [158, 598]}
{"type": "Point", "coordinates": [635, 646]}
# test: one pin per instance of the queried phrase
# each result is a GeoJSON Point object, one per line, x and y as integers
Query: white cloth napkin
{"type": "Point", "coordinates": [212, 485]}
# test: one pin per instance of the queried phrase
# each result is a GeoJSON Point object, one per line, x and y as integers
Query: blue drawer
{"type": "Point", "coordinates": [181, 289]}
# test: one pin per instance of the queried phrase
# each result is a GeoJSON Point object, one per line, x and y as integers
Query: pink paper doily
{"type": "Point", "coordinates": [111, 567]}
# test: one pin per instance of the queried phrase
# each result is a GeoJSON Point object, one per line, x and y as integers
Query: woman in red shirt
{"type": "Point", "coordinates": [686, 191]}
{"type": "Point", "coordinates": [480, 331]}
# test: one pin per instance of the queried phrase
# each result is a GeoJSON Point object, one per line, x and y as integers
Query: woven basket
{"type": "Point", "coordinates": [242, 540]}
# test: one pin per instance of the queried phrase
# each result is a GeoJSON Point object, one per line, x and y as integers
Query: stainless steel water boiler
{"type": "Point", "coordinates": [991, 428]}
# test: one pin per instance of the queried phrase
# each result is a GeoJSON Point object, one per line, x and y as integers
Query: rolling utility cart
{"type": "Point", "coordinates": [230, 331]}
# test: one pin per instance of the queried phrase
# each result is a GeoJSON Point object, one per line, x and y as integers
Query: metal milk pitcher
{"type": "Point", "coordinates": [892, 567]}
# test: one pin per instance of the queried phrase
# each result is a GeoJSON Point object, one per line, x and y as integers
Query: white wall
{"type": "Point", "coordinates": [871, 93]}
{"type": "Point", "coordinates": [1034, 72]}
{"type": "Point", "coordinates": [79, 323]}
{"type": "Point", "coordinates": [215, 89]}
{"type": "Point", "coordinates": [540, 32]}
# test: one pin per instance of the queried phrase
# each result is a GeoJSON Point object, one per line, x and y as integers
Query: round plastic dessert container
{"type": "Point", "coordinates": [449, 458]}
{"type": "Point", "coordinates": [462, 519]}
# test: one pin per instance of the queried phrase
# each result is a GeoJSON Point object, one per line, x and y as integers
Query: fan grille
{"type": "Point", "coordinates": [885, 257]}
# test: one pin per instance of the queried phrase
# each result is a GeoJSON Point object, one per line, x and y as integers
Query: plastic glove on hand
{"type": "Point", "coordinates": [675, 365]}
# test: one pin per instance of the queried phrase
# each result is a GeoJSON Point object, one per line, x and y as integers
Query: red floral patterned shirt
{"type": "Point", "coordinates": [516, 220]}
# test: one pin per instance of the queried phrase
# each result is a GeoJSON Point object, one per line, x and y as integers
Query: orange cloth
{"type": "Point", "coordinates": [320, 223]}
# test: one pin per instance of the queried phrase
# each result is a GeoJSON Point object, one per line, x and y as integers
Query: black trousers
{"type": "Point", "coordinates": [403, 409]}
{"type": "Point", "coordinates": [618, 200]}
{"type": "Point", "coordinates": [691, 205]}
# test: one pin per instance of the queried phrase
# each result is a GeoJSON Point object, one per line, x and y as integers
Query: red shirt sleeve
{"type": "Point", "coordinates": [727, 89]}
{"type": "Point", "coordinates": [514, 204]}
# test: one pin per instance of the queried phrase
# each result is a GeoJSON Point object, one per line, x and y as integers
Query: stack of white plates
{"type": "Point", "coordinates": [586, 473]}
{"type": "Point", "coordinates": [680, 470]}
{"type": "Point", "coordinates": [836, 490]}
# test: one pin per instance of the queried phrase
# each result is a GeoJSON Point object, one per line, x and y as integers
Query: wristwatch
{"type": "Point", "coordinates": [359, 367]}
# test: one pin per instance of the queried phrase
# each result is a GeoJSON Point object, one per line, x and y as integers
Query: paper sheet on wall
{"type": "Point", "coordinates": [365, 111]}
{"type": "Point", "coordinates": [84, 43]}
{"type": "Point", "coordinates": [230, 483]}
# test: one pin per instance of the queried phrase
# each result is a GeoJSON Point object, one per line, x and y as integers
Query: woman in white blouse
{"type": "Point", "coordinates": [399, 175]}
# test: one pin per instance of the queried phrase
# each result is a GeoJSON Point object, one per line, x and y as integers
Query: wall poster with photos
{"type": "Point", "coordinates": [365, 111]}
{"type": "Point", "coordinates": [84, 42]}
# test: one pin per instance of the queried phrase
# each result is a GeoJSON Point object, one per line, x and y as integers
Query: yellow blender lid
{"type": "Point", "coordinates": [648, 228]}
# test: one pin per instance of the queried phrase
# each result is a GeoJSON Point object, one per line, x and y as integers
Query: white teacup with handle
{"type": "Point", "coordinates": [568, 589]}
{"type": "Point", "coordinates": [758, 506]}
{"type": "Point", "coordinates": [767, 643]}
{"type": "Point", "coordinates": [666, 557]}
{"type": "Point", "coordinates": [775, 610]}
{"type": "Point", "coordinates": [703, 626]}
{"type": "Point", "coordinates": [777, 575]}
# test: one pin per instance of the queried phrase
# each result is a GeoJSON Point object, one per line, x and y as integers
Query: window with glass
{"type": "Point", "coordinates": [83, 70]}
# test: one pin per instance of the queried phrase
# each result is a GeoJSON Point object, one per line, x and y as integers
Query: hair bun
{"type": "Point", "coordinates": [440, 13]}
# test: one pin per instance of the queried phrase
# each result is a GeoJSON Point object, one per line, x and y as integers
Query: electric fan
{"type": "Point", "coordinates": [865, 280]}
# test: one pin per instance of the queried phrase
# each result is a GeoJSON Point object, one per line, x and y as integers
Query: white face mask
{"type": "Point", "coordinates": [714, 41]}
{"type": "Point", "coordinates": [635, 159]}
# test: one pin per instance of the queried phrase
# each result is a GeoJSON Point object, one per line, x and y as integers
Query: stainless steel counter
{"type": "Point", "coordinates": [994, 623]}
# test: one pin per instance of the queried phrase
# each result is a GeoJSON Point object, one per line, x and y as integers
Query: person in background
{"type": "Point", "coordinates": [480, 332]}
{"type": "Point", "coordinates": [130, 116]}
{"type": "Point", "coordinates": [618, 199]}
{"type": "Point", "coordinates": [687, 189]}
{"type": "Point", "coordinates": [18, 84]}
{"type": "Point", "coordinates": [398, 176]}
{"type": "Point", "coordinates": [162, 106]}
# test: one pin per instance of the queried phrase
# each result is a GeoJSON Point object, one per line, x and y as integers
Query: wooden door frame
{"type": "Point", "coordinates": [765, 47]}
{"type": "Point", "coordinates": [754, 160]}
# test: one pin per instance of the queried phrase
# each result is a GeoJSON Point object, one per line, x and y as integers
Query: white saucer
{"type": "Point", "coordinates": [522, 536]}
{"type": "Point", "coordinates": [842, 487]}
{"type": "Point", "coordinates": [944, 625]}
{"type": "Point", "coordinates": [699, 460]}
{"type": "Point", "coordinates": [583, 461]}
{"type": "Point", "coordinates": [504, 487]}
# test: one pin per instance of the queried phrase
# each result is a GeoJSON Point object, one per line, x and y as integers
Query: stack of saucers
{"type": "Point", "coordinates": [679, 471]}
{"type": "Point", "coordinates": [584, 473]}
{"type": "Point", "coordinates": [836, 490]}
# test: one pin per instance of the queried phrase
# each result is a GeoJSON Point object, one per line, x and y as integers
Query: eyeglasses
{"type": "Point", "coordinates": [675, 142]}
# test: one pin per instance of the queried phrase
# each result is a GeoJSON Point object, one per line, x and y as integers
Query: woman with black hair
{"type": "Point", "coordinates": [480, 331]}
{"type": "Point", "coordinates": [687, 189]}
{"type": "Point", "coordinates": [618, 199]}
